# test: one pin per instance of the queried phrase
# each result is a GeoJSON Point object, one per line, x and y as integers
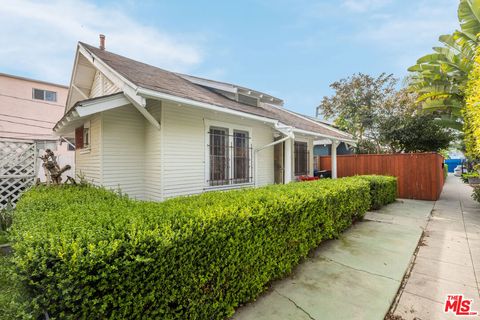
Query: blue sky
{"type": "Point", "coordinates": [290, 49]}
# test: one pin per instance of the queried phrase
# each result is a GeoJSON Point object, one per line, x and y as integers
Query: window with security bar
{"type": "Point", "coordinates": [219, 156]}
{"type": "Point", "coordinates": [301, 158]}
{"type": "Point", "coordinates": [230, 157]}
{"type": "Point", "coordinates": [241, 157]}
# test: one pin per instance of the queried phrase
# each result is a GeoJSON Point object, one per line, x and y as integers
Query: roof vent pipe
{"type": "Point", "coordinates": [102, 42]}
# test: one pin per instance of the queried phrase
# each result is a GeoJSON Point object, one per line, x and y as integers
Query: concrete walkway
{"type": "Point", "coordinates": [448, 259]}
{"type": "Point", "coordinates": [354, 277]}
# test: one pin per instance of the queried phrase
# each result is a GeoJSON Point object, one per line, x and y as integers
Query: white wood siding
{"type": "Point", "coordinates": [184, 148]}
{"type": "Point", "coordinates": [88, 162]}
{"type": "Point", "coordinates": [124, 151]}
{"type": "Point", "coordinates": [146, 163]}
{"type": "Point", "coordinates": [153, 148]}
{"type": "Point", "coordinates": [102, 86]}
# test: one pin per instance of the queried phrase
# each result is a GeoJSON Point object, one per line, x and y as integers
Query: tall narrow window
{"type": "Point", "coordinates": [82, 136]}
{"type": "Point", "coordinates": [301, 158]}
{"type": "Point", "coordinates": [241, 156]}
{"type": "Point", "coordinates": [219, 156]}
{"type": "Point", "coordinates": [86, 137]}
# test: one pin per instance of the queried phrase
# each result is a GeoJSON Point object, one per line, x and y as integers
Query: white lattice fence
{"type": "Point", "coordinates": [17, 169]}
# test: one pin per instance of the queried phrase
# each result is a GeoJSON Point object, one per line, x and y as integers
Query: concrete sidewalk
{"type": "Point", "coordinates": [448, 259]}
{"type": "Point", "coordinates": [354, 277]}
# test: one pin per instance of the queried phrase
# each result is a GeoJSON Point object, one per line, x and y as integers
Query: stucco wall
{"type": "Point", "coordinates": [21, 116]}
{"type": "Point", "coordinates": [25, 118]}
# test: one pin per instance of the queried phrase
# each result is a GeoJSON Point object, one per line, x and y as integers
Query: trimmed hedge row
{"type": "Point", "coordinates": [383, 190]}
{"type": "Point", "coordinates": [85, 252]}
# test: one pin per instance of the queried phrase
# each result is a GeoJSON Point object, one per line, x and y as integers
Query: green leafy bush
{"type": "Point", "coordinates": [3, 237]}
{"type": "Point", "coordinates": [445, 171]}
{"type": "Point", "coordinates": [383, 190]}
{"type": "Point", "coordinates": [466, 176]}
{"type": "Point", "coordinates": [14, 298]}
{"type": "Point", "coordinates": [476, 194]}
{"type": "Point", "coordinates": [85, 252]}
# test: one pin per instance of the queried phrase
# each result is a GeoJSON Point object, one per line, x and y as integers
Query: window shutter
{"type": "Point", "coordinates": [79, 138]}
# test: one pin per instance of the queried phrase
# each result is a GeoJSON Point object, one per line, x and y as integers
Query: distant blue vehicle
{"type": "Point", "coordinates": [453, 163]}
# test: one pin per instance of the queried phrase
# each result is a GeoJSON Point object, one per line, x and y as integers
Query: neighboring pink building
{"type": "Point", "coordinates": [28, 111]}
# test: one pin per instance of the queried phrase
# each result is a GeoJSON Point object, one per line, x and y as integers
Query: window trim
{"type": "Point", "coordinates": [231, 127]}
{"type": "Point", "coordinates": [44, 95]}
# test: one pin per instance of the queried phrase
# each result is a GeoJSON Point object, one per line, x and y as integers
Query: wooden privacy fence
{"type": "Point", "coordinates": [420, 175]}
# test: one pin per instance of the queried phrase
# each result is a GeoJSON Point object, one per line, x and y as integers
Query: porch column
{"type": "Point", "coordinates": [288, 161]}
{"type": "Point", "coordinates": [334, 158]}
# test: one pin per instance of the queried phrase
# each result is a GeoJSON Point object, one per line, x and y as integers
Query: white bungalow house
{"type": "Point", "coordinates": [158, 134]}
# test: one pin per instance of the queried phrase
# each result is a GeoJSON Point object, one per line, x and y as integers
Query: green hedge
{"type": "Point", "coordinates": [469, 175]}
{"type": "Point", "coordinates": [476, 193]}
{"type": "Point", "coordinates": [14, 299]}
{"type": "Point", "coordinates": [383, 190]}
{"type": "Point", "coordinates": [85, 252]}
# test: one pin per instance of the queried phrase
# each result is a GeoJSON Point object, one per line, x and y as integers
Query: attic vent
{"type": "Point", "coordinates": [251, 101]}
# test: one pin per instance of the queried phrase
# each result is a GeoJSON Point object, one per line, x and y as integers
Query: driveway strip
{"type": "Point", "coordinates": [354, 277]}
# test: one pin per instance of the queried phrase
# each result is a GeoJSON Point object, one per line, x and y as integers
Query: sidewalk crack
{"type": "Point", "coordinates": [295, 304]}
{"type": "Point", "coordinates": [361, 270]}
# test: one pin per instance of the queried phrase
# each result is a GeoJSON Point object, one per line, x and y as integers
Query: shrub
{"type": "Point", "coordinates": [87, 253]}
{"type": "Point", "coordinates": [466, 176]}
{"type": "Point", "coordinates": [383, 190]}
{"type": "Point", "coordinates": [445, 171]}
{"type": "Point", "coordinates": [476, 194]}
{"type": "Point", "coordinates": [3, 237]}
{"type": "Point", "coordinates": [471, 112]}
{"type": "Point", "coordinates": [13, 295]}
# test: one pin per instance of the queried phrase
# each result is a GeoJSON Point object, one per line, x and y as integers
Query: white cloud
{"type": "Point", "coordinates": [407, 37]}
{"type": "Point", "coordinates": [364, 5]}
{"type": "Point", "coordinates": [39, 37]}
{"type": "Point", "coordinates": [423, 24]}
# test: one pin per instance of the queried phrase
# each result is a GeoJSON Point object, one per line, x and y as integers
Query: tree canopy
{"type": "Point", "coordinates": [381, 117]}
{"type": "Point", "coordinates": [417, 133]}
{"type": "Point", "coordinates": [440, 78]}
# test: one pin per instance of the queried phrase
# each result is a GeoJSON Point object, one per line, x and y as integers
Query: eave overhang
{"type": "Point", "coordinates": [82, 110]}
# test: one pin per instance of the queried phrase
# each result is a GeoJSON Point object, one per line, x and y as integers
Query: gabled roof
{"type": "Point", "coordinates": [149, 77]}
